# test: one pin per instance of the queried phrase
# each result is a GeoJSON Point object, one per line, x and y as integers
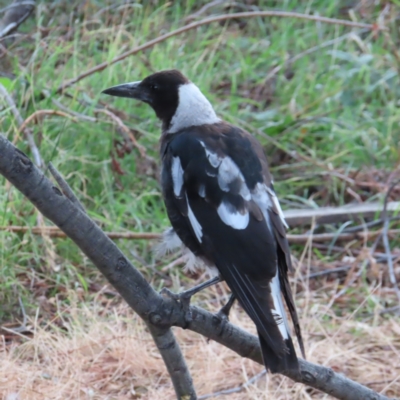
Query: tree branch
{"type": "Point", "coordinates": [128, 281]}
{"type": "Point", "coordinates": [159, 313]}
{"type": "Point", "coordinates": [28, 132]}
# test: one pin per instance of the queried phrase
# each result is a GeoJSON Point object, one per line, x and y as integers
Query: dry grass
{"type": "Point", "coordinates": [92, 352]}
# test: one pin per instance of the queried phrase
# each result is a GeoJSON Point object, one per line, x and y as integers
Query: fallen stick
{"type": "Point", "coordinates": [294, 218]}
{"type": "Point", "coordinates": [328, 215]}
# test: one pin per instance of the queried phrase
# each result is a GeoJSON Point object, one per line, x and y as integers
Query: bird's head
{"type": "Point", "coordinates": [177, 102]}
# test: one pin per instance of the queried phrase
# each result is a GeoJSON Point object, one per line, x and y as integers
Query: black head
{"type": "Point", "coordinates": [160, 91]}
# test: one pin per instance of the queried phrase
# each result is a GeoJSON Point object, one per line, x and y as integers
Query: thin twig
{"type": "Point", "coordinates": [203, 9]}
{"type": "Point", "coordinates": [318, 274]}
{"type": "Point", "coordinates": [385, 240]}
{"type": "Point", "coordinates": [66, 189]}
{"type": "Point", "coordinates": [125, 129]}
{"type": "Point", "coordinates": [53, 231]}
{"type": "Point", "coordinates": [325, 237]}
{"type": "Point", "coordinates": [378, 256]}
{"type": "Point", "coordinates": [328, 215]}
{"type": "Point", "coordinates": [236, 389]}
{"type": "Point", "coordinates": [148, 266]}
{"type": "Point", "coordinates": [209, 20]}
{"type": "Point", "coordinates": [370, 224]}
{"type": "Point", "coordinates": [27, 132]}
{"type": "Point", "coordinates": [311, 50]}
{"type": "Point", "coordinates": [83, 117]}
{"type": "Point", "coordinates": [39, 113]}
{"type": "Point", "coordinates": [358, 274]}
{"type": "Point", "coordinates": [22, 328]}
{"type": "Point", "coordinates": [114, 6]}
{"type": "Point", "coordinates": [390, 310]}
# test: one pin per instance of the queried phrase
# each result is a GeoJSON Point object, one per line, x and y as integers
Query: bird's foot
{"type": "Point", "coordinates": [183, 298]}
{"type": "Point", "coordinates": [223, 313]}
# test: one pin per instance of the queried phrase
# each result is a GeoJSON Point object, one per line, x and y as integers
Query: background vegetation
{"type": "Point", "coordinates": [324, 101]}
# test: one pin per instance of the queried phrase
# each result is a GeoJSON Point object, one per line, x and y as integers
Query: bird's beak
{"type": "Point", "coordinates": [131, 90]}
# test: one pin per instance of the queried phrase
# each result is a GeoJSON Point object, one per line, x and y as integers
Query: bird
{"type": "Point", "coordinates": [221, 202]}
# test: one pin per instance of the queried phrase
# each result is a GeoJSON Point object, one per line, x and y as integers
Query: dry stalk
{"type": "Point", "coordinates": [124, 129]}
{"type": "Point", "coordinates": [27, 132]}
{"type": "Point", "coordinates": [206, 21]}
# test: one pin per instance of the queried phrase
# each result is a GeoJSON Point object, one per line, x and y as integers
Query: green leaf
{"type": "Point", "coordinates": [7, 83]}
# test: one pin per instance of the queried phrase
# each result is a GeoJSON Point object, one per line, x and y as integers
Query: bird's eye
{"type": "Point", "coordinates": [153, 86]}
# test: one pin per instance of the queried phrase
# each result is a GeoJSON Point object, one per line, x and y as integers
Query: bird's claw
{"type": "Point", "coordinates": [223, 314]}
{"type": "Point", "coordinates": [183, 298]}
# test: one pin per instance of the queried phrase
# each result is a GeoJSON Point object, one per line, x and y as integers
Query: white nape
{"type": "Point", "coordinates": [193, 109]}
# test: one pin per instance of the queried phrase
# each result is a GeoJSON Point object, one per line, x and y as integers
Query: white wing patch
{"type": "Point", "coordinates": [262, 199]}
{"type": "Point", "coordinates": [197, 229]}
{"type": "Point", "coordinates": [230, 216]}
{"type": "Point", "coordinates": [279, 310]}
{"type": "Point", "coordinates": [213, 158]}
{"type": "Point", "coordinates": [177, 181]}
{"type": "Point", "coordinates": [202, 191]}
{"type": "Point", "coordinates": [277, 206]}
{"type": "Point", "coordinates": [177, 175]}
{"type": "Point", "coordinates": [228, 173]}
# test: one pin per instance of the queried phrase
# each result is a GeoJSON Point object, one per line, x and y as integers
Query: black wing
{"type": "Point", "coordinates": [221, 204]}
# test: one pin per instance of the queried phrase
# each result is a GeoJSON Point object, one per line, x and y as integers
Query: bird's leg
{"type": "Point", "coordinates": [184, 297]}
{"type": "Point", "coordinates": [223, 313]}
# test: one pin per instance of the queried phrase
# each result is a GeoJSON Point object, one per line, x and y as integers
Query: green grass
{"type": "Point", "coordinates": [337, 108]}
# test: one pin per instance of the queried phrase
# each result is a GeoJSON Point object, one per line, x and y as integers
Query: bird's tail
{"type": "Point", "coordinates": [262, 301]}
{"type": "Point", "coordinates": [286, 360]}
{"type": "Point", "coordinates": [275, 363]}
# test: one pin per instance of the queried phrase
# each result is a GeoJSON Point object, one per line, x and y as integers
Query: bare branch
{"type": "Point", "coordinates": [159, 313]}
{"type": "Point", "coordinates": [66, 189]}
{"type": "Point", "coordinates": [326, 237]}
{"type": "Point", "coordinates": [54, 231]}
{"type": "Point", "coordinates": [40, 113]}
{"type": "Point", "coordinates": [294, 218]}
{"type": "Point", "coordinates": [27, 132]}
{"type": "Point", "coordinates": [203, 9]}
{"type": "Point", "coordinates": [209, 20]}
{"type": "Point", "coordinates": [385, 240]}
{"type": "Point", "coordinates": [326, 215]}
{"type": "Point", "coordinates": [235, 389]}
{"type": "Point", "coordinates": [129, 282]}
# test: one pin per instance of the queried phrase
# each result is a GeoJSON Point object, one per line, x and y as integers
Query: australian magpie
{"type": "Point", "coordinates": [222, 205]}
